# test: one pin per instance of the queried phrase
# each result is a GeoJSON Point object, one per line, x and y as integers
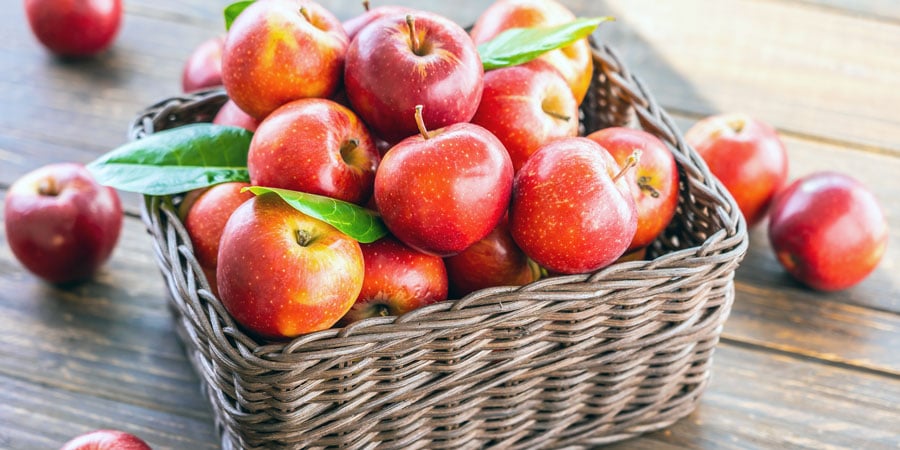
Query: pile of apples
{"type": "Point", "coordinates": [478, 175]}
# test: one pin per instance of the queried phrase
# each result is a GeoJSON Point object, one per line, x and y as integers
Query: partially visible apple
{"type": "Point", "coordinates": [746, 155]}
{"type": "Point", "coordinates": [74, 27]}
{"type": "Point", "coordinates": [106, 440]}
{"type": "Point", "coordinates": [444, 190]}
{"type": "Point", "coordinates": [572, 210]}
{"type": "Point", "coordinates": [654, 180]}
{"type": "Point", "coordinates": [231, 114]}
{"type": "Point", "coordinates": [60, 223]}
{"type": "Point", "coordinates": [419, 59]}
{"type": "Point", "coordinates": [398, 280]}
{"type": "Point", "coordinates": [526, 106]}
{"type": "Point", "coordinates": [315, 146]}
{"type": "Point", "coordinates": [282, 50]}
{"type": "Point", "coordinates": [355, 25]}
{"type": "Point", "coordinates": [495, 260]}
{"type": "Point", "coordinates": [203, 68]}
{"type": "Point", "coordinates": [575, 62]}
{"type": "Point", "coordinates": [282, 273]}
{"type": "Point", "coordinates": [828, 231]}
{"type": "Point", "coordinates": [207, 217]}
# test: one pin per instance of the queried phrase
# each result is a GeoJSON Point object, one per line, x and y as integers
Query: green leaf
{"type": "Point", "coordinates": [177, 160]}
{"type": "Point", "coordinates": [233, 10]}
{"type": "Point", "coordinates": [355, 221]}
{"type": "Point", "coordinates": [520, 45]}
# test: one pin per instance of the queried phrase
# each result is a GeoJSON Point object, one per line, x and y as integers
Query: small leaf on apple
{"type": "Point", "coordinates": [233, 10]}
{"type": "Point", "coordinates": [520, 45]}
{"type": "Point", "coordinates": [177, 160]}
{"type": "Point", "coordinates": [359, 223]}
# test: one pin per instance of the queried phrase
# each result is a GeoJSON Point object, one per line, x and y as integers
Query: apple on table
{"type": "Point", "coordinates": [74, 28]}
{"type": "Point", "coordinates": [106, 440]}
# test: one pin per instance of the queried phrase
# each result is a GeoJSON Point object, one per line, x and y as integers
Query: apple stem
{"type": "Point", "coordinates": [366, 5]}
{"type": "Point", "coordinates": [48, 187]}
{"type": "Point", "coordinates": [632, 161]}
{"type": "Point", "coordinates": [420, 122]}
{"type": "Point", "coordinates": [305, 13]}
{"type": "Point", "coordinates": [304, 238]}
{"type": "Point", "coordinates": [413, 37]}
{"type": "Point", "coordinates": [557, 115]}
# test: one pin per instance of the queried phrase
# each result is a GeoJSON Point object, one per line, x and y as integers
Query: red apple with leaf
{"type": "Point", "coordinates": [493, 261]}
{"type": "Point", "coordinates": [443, 190]}
{"type": "Point", "coordinates": [654, 180]}
{"type": "Point", "coordinates": [282, 50]}
{"type": "Point", "coordinates": [74, 28]}
{"type": "Point", "coordinates": [315, 146]}
{"type": "Point", "coordinates": [282, 273]}
{"type": "Point", "coordinates": [203, 68]}
{"type": "Point", "coordinates": [60, 223]}
{"type": "Point", "coordinates": [106, 440]}
{"type": "Point", "coordinates": [398, 279]}
{"type": "Point", "coordinates": [572, 209]}
{"type": "Point", "coordinates": [828, 231]}
{"type": "Point", "coordinates": [746, 155]}
{"type": "Point", "coordinates": [526, 106]}
{"type": "Point", "coordinates": [419, 59]}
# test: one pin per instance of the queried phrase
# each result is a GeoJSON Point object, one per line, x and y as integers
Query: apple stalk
{"type": "Point", "coordinates": [632, 161]}
{"type": "Point", "coordinates": [420, 122]}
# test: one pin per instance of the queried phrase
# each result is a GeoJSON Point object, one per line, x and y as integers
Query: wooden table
{"type": "Point", "coordinates": [795, 369]}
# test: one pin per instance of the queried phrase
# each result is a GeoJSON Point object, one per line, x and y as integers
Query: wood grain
{"type": "Point", "coordinates": [812, 72]}
{"type": "Point", "coordinates": [885, 10]}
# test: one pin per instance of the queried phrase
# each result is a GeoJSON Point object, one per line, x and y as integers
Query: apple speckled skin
{"type": "Point", "coordinates": [356, 24]}
{"type": "Point", "coordinates": [203, 68]}
{"type": "Point", "coordinates": [207, 217]}
{"type": "Point", "coordinates": [443, 194]}
{"type": "Point", "coordinates": [385, 79]}
{"type": "Point", "coordinates": [567, 213]}
{"type": "Point", "coordinates": [273, 54]}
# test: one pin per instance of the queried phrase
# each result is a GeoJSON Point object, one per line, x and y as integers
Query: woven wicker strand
{"type": "Point", "coordinates": [570, 361]}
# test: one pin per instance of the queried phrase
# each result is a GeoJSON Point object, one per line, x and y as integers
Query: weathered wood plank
{"type": "Point", "coordinates": [36, 416]}
{"type": "Point", "coordinates": [760, 400]}
{"type": "Point", "coordinates": [810, 71]}
{"type": "Point", "coordinates": [112, 337]}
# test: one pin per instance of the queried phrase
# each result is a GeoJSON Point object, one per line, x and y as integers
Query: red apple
{"type": "Point", "coordinates": [572, 209]}
{"type": "Point", "coordinates": [828, 231]}
{"type": "Point", "coordinates": [74, 27]}
{"type": "Point", "coordinates": [282, 50]}
{"type": "Point", "coordinates": [231, 114]}
{"type": "Point", "coordinates": [356, 24]}
{"type": "Point", "coordinates": [654, 180]}
{"type": "Point", "coordinates": [420, 59]}
{"type": "Point", "coordinates": [444, 190]}
{"type": "Point", "coordinates": [495, 260]}
{"type": "Point", "coordinates": [106, 440]}
{"type": "Point", "coordinates": [282, 273]}
{"type": "Point", "coordinates": [575, 62]}
{"type": "Point", "coordinates": [203, 68]}
{"type": "Point", "coordinates": [61, 224]}
{"type": "Point", "coordinates": [315, 146]}
{"type": "Point", "coordinates": [526, 106]}
{"type": "Point", "coordinates": [398, 280]}
{"type": "Point", "coordinates": [207, 217]}
{"type": "Point", "coordinates": [746, 155]}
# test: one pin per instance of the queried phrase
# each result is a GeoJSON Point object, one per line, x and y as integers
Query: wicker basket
{"type": "Point", "coordinates": [570, 361]}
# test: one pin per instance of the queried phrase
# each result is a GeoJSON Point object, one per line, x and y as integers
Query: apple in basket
{"type": "Point", "coordinates": [337, 153]}
{"type": "Point", "coordinates": [203, 68]}
{"type": "Point", "coordinates": [526, 106]}
{"type": "Point", "coordinates": [60, 223]}
{"type": "Point", "coordinates": [746, 155]}
{"type": "Point", "coordinates": [572, 209]}
{"type": "Point", "coordinates": [106, 440]}
{"type": "Point", "coordinates": [574, 62]}
{"type": "Point", "coordinates": [443, 190]}
{"type": "Point", "coordinates": [828, 231]}
{"type": "Point", "coordinates": [404, 61]}
{"type": "Point", "coordinates": [231, 114]}
{"type": "Point", "coordinates": [398, 279]}
{"type": "Point", "coordinates": [282, 273]}
{"type": "Point", "coordinates": [282, 50]}
{"type": "Point", "coordinates": [654, 180]}
{"type": "Point", "coordinates": [355, 25]}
